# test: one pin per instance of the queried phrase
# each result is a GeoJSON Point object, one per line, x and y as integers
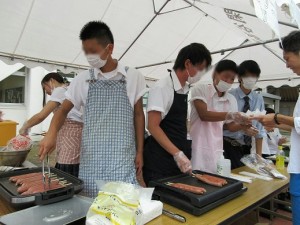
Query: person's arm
{"type": "Point", "coordinates": [206, 115]}
{"type": "Point", "coordinates": [39, 117]}
{"type": "Point", "coordinates": [47, 145]}
{"type": "Point", "coordinates": [258, 143]}
{"type": "Point", "coordinates": [284, 127]}
{"type": "Point", "coordinates": [154, 119]}
{"type": "Point", "coordinates": [269, 120]}
{"type": "Point", "coordinates": [139, 124]}
{"type": "Point", "coordinates": [247, 129]}
{"type": "Point", "coordinates": [211, 116]}
{"type": "Point", "coordinates": [286, 120]}
{"type": "Point", "coordinates": [262, 132]}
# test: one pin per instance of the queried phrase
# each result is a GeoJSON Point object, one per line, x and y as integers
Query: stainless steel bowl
{"type": "Point", "coordinates": [13, 158]}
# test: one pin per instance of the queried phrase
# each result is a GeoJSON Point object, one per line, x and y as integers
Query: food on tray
{"type": "Point", "coordinates": [32, 183]}
{"type": "Point", "coordinates": [15, 178]}
{"type": "Point", "coordinates": [19, 143]}
{"type": "Point", "coordinates": [37, 177]}
{"type": "Point", "coordinates": [42, 188]}
{"type": "Point", "coordinates": [211, 180]}
{"type": "Point", "coordinates": [25, 186]}
{"type": "Point", "coordinates": [188, 188]}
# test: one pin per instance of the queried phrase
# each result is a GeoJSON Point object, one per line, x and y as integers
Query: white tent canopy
{"type": "Point", "coordinates": [45, 33]}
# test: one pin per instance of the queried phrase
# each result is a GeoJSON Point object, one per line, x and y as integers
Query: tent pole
{"type": "Point", "coordinates": [274, 53]}
{"type": "Point", "coordinates": [51, 62]}
{"type": "Point", "coordinates": [222, 51]}
{"type": "Point", "coordinates": [148, 24]}
{"type": "Point", "coordinates": [23, 28]}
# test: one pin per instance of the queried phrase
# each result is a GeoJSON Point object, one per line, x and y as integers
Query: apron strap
{"type": "Point", "coordinates": [170, 72]}
{"type": "Point", "coordinates": [92, 76]}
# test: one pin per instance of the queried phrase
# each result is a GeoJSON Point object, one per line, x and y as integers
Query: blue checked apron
{"type": "Point", "coordinates": [108, 142]}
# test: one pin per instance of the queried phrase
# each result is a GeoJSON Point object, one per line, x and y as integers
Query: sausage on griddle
{"type": "Point", "coordinates": [188, 188]}
{"type": "Point", "coordinates": [25, 186]}
{"type": "Point", "coordinates": [14, 178]}
{"type": "Point", "coordinates": [37, 177]}
{"type": "Point", "coordinates": [42, 188]}
{"type": "Point", "coordinates": [211, 180]}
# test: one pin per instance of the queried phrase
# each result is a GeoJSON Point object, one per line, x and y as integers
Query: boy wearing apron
{"type": "Point", "coordinates": [167, 151]}
{"type": "Point", "coordinates": [111, 97]}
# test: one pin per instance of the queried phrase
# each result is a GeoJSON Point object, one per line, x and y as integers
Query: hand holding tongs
{"type": "Point", "coordinates": [49, 172]}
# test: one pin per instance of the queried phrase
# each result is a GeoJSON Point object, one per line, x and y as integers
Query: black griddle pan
{"type": "Point", "coordinates": [8, 189]}
{"type": "Point", "coordinates": [194, 203]}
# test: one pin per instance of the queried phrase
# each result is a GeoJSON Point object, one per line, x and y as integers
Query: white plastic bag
{"type": "Point", "coordinates": [116, 203]}
{"type": "Point", "coordinates": [262, 166]}
{"type": "Point", "coordinates": [19, 143]}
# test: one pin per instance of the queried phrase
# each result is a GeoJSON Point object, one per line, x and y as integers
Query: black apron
{"type": "Point", "coordinates": [158, 163]}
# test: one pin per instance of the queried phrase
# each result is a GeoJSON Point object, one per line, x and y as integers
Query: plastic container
{"type": "Point", "coordinates": [280, 157]}
{"type": "Point", "coordinates": [223, 166]}
{"type": "Point", "coordinates": [8, 130]}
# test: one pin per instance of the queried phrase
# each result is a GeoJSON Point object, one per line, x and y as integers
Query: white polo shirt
{"type": "Point", "coordinates": [208, 94]}
{"type": "Point", "coordinates": [58, 95]}
{"type": "Point", "coordinates": [77, 92]}
{"type": "Point", "coordinates": [294, 164]}
{"type": "Point", "coordinates": [161, 95]}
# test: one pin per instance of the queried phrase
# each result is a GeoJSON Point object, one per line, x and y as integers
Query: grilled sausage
{"type": "Point", "coordinates": [42, 188]}
{"type": "Point", "coordinates": [38, 177]}
{"type": "Point", "coordinates": [25, 186]}
{"type": "Point", "coordinates": [211, 180]}
{"type": "Point", "coordinates": [15, 178]}
{"type": "Point", "coordinates": [188, 188]}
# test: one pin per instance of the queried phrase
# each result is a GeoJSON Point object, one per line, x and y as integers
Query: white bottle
{"type": "Point", "coordinates": [223, 166]}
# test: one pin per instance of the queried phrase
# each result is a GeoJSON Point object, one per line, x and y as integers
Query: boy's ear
{"type": "Point", "coordinates": [110, 48]}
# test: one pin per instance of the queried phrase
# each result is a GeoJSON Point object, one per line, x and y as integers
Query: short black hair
{"type": "Point", "coordinates": [97, 30]}
{"type": "Point", "coordinates": [225, 65]}
{"type": "Point", "coordinates": [195, 52]}
{"type": "Point", "coordinates": [248, 66]}
{"type": "Point", "coordinates": [269, 110]}
{"type": "Point", "coordinates": [291, 43]}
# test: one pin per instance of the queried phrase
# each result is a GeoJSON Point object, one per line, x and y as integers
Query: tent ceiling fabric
{"type": "Point", "coordinates": [49, 30]}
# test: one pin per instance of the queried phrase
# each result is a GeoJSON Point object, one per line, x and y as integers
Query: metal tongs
{"type": "Point", "coordinates": [44, 173]}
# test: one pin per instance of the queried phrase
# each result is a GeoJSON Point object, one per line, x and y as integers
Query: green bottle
{"type": "Point", "coordinates": [280, 158]}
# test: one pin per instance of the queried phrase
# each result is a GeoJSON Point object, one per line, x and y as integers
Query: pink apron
{"type": "Point", "coordinates": [207, 137]}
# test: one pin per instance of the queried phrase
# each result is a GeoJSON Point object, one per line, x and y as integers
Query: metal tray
{"type": "Point", "coordinates": [59, 213]}
{"type": "Point", "coordinates": [8, 190]}
{"type": "Point", "coordinates": [213, 194]}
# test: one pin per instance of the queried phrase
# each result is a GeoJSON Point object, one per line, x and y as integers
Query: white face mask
{"type": "Point", "coordinates": [249, 82]}
{"type": "Point", "coordinates": [96, 61]}
{"type": "Point", "coordinates": [223, 86]}
{"type": "Point", "coordinates": [196, 78]}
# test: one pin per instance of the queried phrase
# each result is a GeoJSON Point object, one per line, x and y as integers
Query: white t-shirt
{"type": "Point", "coordinates": [207, 93]}
{"type": "Point", "coordinates": [161, 95]}
{"type": "Point", "coordinates": [273, 140]}
{"type": "Point", "coordinates": [77, 92]}
{"type": "Point", "coordinates": [58, 95]}
{"type": "Point", "coordinates": [294, 164]}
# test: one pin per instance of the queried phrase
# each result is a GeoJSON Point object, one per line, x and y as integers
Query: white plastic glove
{"type": "Point", "coordinates": [24, 129]}
{"type": "Point", "coordinates": [183, 163]}
{"type": "Point", "coordinates": [237, 117]}
{"type": "Point", "coordinates": [251, 131]}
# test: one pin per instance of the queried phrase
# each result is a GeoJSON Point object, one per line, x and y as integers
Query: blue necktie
{"type": "Point", "coordinates": [247, 139]}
